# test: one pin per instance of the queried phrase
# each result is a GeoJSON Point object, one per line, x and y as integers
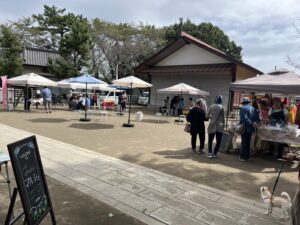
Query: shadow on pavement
{"type": "Point", "coordinates": [48, 120]}
{"type": "Point", "coordinates": [219, 178]}
{"type": "Point", "coordinates": [154, 121]}
{"type": "Point", "coordinates": [259, 163]}
{"type": "Point", "coordinates": [91, 126]}
{"type": "Point", "coordinates": [71, 207]}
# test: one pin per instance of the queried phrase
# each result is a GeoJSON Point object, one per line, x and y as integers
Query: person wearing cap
{"type": "Point", "coordinates": [216, 125]}
{"type": "Point", "coordinates": [248, 118]}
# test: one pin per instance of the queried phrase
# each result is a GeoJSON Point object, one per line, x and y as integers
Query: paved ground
{"type": "Point", "coordinates": [72, 207]}
{"type": "Point", "coordinates": [161, 146]}
{"type": "Point", "coordinates": [148, 195]}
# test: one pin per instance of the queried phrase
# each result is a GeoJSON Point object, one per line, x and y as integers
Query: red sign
{"type": "Point", "coordinates": [4, 92]}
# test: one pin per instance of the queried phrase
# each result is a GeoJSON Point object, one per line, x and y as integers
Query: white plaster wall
{"type": "Point", "coordinates": [191, 54]}
{"type": "Point", "coordinates": [215, 84]}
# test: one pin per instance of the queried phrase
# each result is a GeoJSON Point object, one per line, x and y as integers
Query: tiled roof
{"type": "Point", "coordinates": [190, 68]}
{"type": "Point", "coordinates": [38, 57]}
{"type": "Point", "coordinates": [179, 43]}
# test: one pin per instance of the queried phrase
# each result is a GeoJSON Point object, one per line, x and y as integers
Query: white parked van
{"type": "Point", "coordinates": [143, 100]}
{"type": "Point", "coordinates": [110, 96]}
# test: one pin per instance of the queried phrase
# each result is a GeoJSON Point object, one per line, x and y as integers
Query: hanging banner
{"type": "Point", "coordinates": [4, 92]}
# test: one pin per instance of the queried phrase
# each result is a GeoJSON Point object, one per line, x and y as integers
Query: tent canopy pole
{"type": "Point", "coordinates": [228, 108]}
{"type": "Point", "coordinates": [155, 103]}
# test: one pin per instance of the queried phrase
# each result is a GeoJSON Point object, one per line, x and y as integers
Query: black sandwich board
{"type": "Point", "coordinates": [30, 178]}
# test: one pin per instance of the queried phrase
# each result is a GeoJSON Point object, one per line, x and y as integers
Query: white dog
{"type": "Point", "coordinates": [283, 202]}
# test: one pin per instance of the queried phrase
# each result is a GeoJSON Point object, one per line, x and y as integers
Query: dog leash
{"type": "Point", "coordinates": [274, 187]}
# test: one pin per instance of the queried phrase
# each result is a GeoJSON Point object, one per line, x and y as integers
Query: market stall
{"type": "Point", "coordinates": [288, 135]}
{"type": "Point", "coordinates": [284, 85]}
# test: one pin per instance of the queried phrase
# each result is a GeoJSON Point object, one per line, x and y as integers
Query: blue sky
{"type": "Point", "coordinates": [265, 29]}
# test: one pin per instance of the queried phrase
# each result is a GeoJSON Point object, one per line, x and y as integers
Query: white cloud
{"type": "Point", "coordinates": [263, 28]}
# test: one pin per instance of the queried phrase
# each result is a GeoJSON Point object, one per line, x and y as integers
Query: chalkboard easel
{"type": "Point", "coordinates": [31, 182]}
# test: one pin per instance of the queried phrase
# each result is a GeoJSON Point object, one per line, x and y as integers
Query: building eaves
{"type": "Point", "coordinates": [190, 68]}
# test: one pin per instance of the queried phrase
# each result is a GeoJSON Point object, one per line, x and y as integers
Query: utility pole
{"type": "Point", "coordinates": [117, 71]}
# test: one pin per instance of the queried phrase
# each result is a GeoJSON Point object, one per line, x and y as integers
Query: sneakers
{"type": "Point", "coordinates": [211, 156]}
{"type": "Point", "coordinates": [194, 150]}
{"type": "Point", "coordinates": [242, 160]}
{"type": "Point", "coordinates": [201, 151]}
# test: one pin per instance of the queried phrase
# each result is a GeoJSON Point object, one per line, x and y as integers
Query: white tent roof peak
{"type": "Point", "coordinates": [132, 81]}
{"type": "Point", "coordinates": [31, 79]}
{"type": "Point", "coordinates": [285, 83]}
{"type": "Point", "coordinates": [184, 89]}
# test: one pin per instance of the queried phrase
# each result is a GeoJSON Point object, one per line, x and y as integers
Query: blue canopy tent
{"type": "Point", "coordinates": [85, 79]}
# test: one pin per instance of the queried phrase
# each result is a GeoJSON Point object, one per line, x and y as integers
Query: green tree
{"type": "Point", "coordinates": [69, 35]}
{"type": "Point", "coordinates": [11, 63]}
{"type": "Point", "coordinates": [29, 35]}
{"type": "Point", "coordinates": [53, 24]}
{"type": "Point", "coordinates": [119, 48]}
{"type": "Point", "coordinates": [206, 32]}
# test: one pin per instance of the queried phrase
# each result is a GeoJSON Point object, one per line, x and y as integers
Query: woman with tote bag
{"type": "Point", "coordinates": [216, 125]}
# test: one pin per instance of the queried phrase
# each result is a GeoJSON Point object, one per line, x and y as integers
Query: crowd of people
{"type": "Point", "coordinates": [81, 102]}
{"type": "Point", "coordinates": [179, 106]}
{"type": "Point", "coordinates": [268, 110]}
{"type": "Point", "coordinates": [274, 111]}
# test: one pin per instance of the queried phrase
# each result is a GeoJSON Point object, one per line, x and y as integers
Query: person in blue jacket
{"type": "Point", "coordinates": [248, 118]}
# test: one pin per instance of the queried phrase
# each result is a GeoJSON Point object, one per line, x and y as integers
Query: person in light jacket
{"type": "Point", "coordinates": [216, 125]}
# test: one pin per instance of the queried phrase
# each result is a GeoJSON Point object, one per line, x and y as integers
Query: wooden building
{"type": "Point", "coordinates": [36, 61]}
{"type": "Point", "coordinates": [192, 61]}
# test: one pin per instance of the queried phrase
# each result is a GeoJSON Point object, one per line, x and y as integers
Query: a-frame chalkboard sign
{"type": "Point", "coordinates": [31, 182]}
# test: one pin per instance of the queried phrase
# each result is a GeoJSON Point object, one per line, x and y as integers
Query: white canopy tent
{"type": "Point", "coordinates": [132, 82]}
{"type": "Point", "coordinates": [102, 87]}
{"type": "Point", "coordinates": [285, 83]}
{"type": "Point", "coordinates": [68, 84]}
{"type": "Point", "coordinates": [31, 79]}
{"type": "Point", "coordinates": [183, 88]}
